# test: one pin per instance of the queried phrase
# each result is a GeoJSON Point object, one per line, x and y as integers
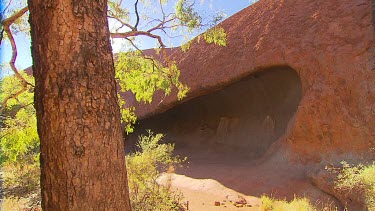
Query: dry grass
{"type": "Point", "coordinates": [297, 204]}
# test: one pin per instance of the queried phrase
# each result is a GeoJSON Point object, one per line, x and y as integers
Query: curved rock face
{"type": "Point", "coordinates": [245, 117]}
{"type": "Point", "coordinates": [329, 44]}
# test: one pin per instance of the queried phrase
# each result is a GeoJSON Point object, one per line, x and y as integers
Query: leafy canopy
{"type": "Point", "coordinates": [144, 76]}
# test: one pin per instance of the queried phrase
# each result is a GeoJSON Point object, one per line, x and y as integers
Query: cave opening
{"type": "Point", "coordinates": [241, 120]}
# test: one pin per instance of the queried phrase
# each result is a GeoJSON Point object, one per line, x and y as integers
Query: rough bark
{"type": "Point", "coordinates": [82, 152]}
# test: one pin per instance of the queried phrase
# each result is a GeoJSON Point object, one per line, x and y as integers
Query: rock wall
{"type": "Point", "coordinates": [243, 119]}
{"type": "Point", "coordinates": [330, 44]}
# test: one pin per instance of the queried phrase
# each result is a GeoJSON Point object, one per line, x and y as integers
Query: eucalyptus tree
{"type": "Point", "coordinates": [78, 118]}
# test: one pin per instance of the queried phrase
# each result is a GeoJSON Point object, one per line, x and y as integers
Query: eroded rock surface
{"type": "Point", "coordinates": [330, 44]}
{"type": "Point", "coordinates": [245, 117]}
{"type": "Point", "coordinates": [322, 116]}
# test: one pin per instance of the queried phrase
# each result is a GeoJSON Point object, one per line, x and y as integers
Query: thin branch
{"type": "Point", "coordinates": [148, 34]}
{"type": "Point", "coordinates": [151, 20]}
{"type": "Point", "coordinates": [169, 36]}
{"type": "Point", "coordinates": [12, 96]}
{"type": "Point", "coordinates": [143, 33]}
{"type": "Point", "coordinates": [135, 33]}
{"type": "Point", "coordinates": [162, 23]}
{"type": "Point", "coordinates": [6, 27]}
{"type": "Point", "coordinates": [136, 47]}
{"type": "Point", "coordinates": [1, 35]}
{"type": "Point", "coordinates": [136, 13]}
{"type": "Point", "coordinates": [5, 9]}
{"type": "Point", "coordinates": [144, 55]}
{"type": "Point", "coordinates": [14, 17]}
{"type": "Point", "coordinates": [162, 10]}
{"type": "Point", "coordinates": [122, 22]}
{"type": "Point", "coordinates": [126, 36]}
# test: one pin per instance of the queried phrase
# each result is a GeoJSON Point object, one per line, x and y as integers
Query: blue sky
{"type": "Point", "coordinates": [208, 7]}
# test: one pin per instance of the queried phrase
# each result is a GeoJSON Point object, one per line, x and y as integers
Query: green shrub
{"type": "Point", "coordinates": [21, 178]}
{"type": "Point", "coordinates": [144, 167]}
{"type": "Point", "coordinates": [19, 156]}
{"type": "Point", "coordinates": [360, 178]}
{"type": "Point", "coordinates": [19, 146]}
{"type": "Point", "coordinates": [300, 204]}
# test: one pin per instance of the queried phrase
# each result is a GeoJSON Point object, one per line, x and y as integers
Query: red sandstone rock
{"type": "Point", "coordinates": [331, 46]}
{"type": "Point", "coordinates": [329, 43]}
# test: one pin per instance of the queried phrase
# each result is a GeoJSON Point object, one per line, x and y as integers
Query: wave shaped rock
{"type": "Point", "coordinates": [329, 45]}
{"type": "Point", "coordinates": [293, 87]}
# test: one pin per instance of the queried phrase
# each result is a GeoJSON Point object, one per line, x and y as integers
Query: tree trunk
{"type": "Point", "coordinates": [82, 151]}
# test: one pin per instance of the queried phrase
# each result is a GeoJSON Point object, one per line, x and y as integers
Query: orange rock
{"type": "Point", "coordinates": [329, 44]}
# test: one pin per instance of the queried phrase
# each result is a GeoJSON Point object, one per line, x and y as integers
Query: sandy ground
{"type": "Point", "coordinates": [208, 194]}
{"type": "Point", "coordinates": [208, 178]}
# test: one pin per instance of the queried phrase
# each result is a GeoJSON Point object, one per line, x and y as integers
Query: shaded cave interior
{"type": "Point", "coordinates": [241, 120]}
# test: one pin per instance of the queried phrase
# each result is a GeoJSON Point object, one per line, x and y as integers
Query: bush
{"type": "Point", "coordinates": [19, 156]}
{"type": "Point", "coordinates": [19, 146]}
{"type": "Point", "coordinates": [21, 178]}
{"type": "Point", "coordinates": [144, 167]}
{"type": "Point", "coordinates": [300, 204]}
{"type": "Point", "coordinates": [359, 178]}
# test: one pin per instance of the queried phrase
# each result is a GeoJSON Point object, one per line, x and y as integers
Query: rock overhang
{"type": "Point", "coordinates": [242, 120]}
{"type": "Point", "coordinates": [330, 44]}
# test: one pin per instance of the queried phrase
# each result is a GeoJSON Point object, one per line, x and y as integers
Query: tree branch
{"type": "Point", "coordinates": [144, 55]}
{"type": "Point", "coordinates": [162, 10]}
{"type": "Point", "coordinates": [1, 35]}
{"type": "Point", "coordinates": [12, 96]}
{"type": "Point", "coordinates": [9, 21]}
{"type": "Point", "coordinates": [126, 35]}
{"type": "Point", "coordinates": [136, 13]}
{"type": "Point", "coordinates": [6, 27]}
{"type": "Point", "coordinates": [161, 25]}
{"type": "Point", "coordinates": [5, 9]}
{"type": "Point", "coordinates": [137, 33]}
{"type": "Point", "coordinates": [122, 22]}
